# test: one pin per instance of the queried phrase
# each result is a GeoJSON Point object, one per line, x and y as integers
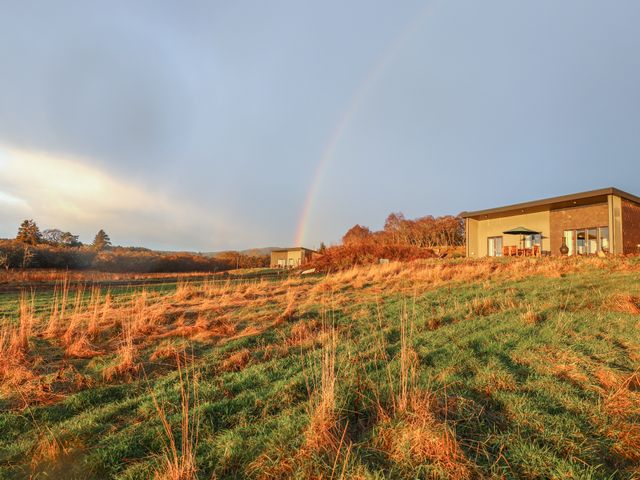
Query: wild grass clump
{"type": "Point", "coordinates": [625, 303]}
{"type": "Point", "coordinates": [621, 404]}
{"type": "Point", "coordinates": [126, 361]}
{"type": "Point", "coordinates": [408, 430]}
{"type": "Point", "coordinates": [322, 434]}
{"type": "Point", "coordinates": [236, 361]}
{"type": "Point", "coordinates": [178, 461]}
{"type": "Point", "coordinates": [531, 317]}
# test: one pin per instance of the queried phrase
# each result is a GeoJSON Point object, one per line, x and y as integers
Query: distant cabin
{"type": "Point", "coordinates": [291, 257]}
{"type": "Point", "coordinates": [588, 223]}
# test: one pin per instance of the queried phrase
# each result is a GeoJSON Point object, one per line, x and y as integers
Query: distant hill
{"type": "Point", "coordinates": [251, 252]}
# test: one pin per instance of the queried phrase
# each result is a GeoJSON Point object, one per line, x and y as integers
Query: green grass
{"type": "Point", "coordinates": [521, 396]}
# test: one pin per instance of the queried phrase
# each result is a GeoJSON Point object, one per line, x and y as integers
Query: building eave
{"type": "Point", "coordinates": [553, 200]}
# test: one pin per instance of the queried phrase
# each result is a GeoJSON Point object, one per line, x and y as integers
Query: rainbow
{"type": "Point", "coordinates": [349, 112]}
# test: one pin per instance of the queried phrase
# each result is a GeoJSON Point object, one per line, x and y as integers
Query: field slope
{"type": "Point", "coordinates": [435, 369]}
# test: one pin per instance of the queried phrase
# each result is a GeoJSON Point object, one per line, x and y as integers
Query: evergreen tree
{"type": "Point", "coordinates": [101, 241]}
{"type": "Point", "coordinates": [28, 232]}
{"type": "Point", "coordinates": [323, 248]}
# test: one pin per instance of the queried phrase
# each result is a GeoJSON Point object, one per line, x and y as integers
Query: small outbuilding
{"type": "Point", "coordinates": [291, 257]}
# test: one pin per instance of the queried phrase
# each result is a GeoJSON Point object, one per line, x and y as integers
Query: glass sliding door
{"type": "Point", "coordinates": [587, 241]}
{"type": "Point", "coordinates": [604, 239]}
{"type": "Point", "coordinates": [531, 240]}
{"type": "Point", "coordinates": [569, 240]}
{"type": "Point", "coordinates": [592, 241]}
{"type": "Point", "coordinates": [494, 246]}
{"type": "Point", "coordinates": [581, 242]}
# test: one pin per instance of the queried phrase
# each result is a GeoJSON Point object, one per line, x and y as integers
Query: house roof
{"type": "Point", "coordinates": [292, 249]}
{"type": "Point", "coordinates": [550, 202]}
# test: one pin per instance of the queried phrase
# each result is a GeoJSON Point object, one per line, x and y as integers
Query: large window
{"type": "Point", "coordinates": [494, 246]}
{"type": "Point", "coordinates": [587, 241]}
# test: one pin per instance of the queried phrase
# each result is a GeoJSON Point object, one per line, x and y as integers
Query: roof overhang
{"type": "Point", "coordinates": [292, 249]}
{"type": "Point", "coordinates": [565, 201]}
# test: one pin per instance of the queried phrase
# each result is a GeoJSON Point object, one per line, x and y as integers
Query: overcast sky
{"type": "Point", "coordinates": [211, 125]}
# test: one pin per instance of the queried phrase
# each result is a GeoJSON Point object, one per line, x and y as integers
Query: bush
{"type": "Point", "coordinates": [346, 256]}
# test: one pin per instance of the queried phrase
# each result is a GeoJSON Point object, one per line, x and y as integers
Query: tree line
{"type": "Point", "coordinates": [29, 233]}
{"type": "Point", "coordinates": [422, 232]}
{"type": "Point", "coordinates": [55, 248]}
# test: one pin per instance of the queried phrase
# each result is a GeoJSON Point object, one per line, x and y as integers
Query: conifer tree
{"type": "Point", "coordinates": [101, 241]}
{"type": "Point", "coordinates": [28, 232]}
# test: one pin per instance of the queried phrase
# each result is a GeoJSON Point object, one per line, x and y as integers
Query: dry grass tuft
{"type": "Point", "coordinates": [322, 433]}
{"type": "Point", "coordinates": [621, 403]}
{"type": "Point", "coordinates": [303, 333]}
{"type": "Point", "coordinates": [127, 355]}
{"type": "Point", "coordinates": [625, 303]}
{"type": "Point", "coordinates": [482, 306]}
{"type": "Point", "coordinates": [498, 381]}
{"type": "Point", "coordinates": [80, 347]}
{"type": "Point", "coordinates": [164, 351]}
{"type": "Point", "coordinates": [236, 361]}
{"type": "Point", "coordinates": [179, 457]}
{"type": "Point", "coordinates": [570, 372]}
{"type": "Point", "coordinates": [409, 431]}
{"type": "Point", "coordinates": [531, 317]}
{"type": "Point", "coordinates": [361, 313]}
{"type": "Point", "coordinates": [417, 438]}
{"type": "Point", "coordinates": [275, 464]}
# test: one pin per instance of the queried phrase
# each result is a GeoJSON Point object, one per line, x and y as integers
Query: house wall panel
{"type": "Point", "coordinates": [630, 227]}
{"type": "Point", "coordinates": [586, 216]}
{"type": "Point", "coordinates": [493, 227]}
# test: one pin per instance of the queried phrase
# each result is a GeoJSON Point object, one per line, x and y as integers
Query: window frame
{"type": "Point", "coordinates": [573, 247]}
{"type": "Point", "coordinates": [498, 251]}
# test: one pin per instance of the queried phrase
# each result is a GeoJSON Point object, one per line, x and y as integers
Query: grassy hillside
{"type": "Point", "coordinates": [437, 369]}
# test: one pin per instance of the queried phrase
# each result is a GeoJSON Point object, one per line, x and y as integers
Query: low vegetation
{"type": "Point", "coordinates": [520, 368]}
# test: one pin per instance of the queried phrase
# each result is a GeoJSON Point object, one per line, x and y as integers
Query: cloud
{"type": "Point", "coordinates": [71, 194]}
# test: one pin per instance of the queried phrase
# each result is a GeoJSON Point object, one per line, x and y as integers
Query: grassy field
{"type": "Point", "coordinates": [527, 368]}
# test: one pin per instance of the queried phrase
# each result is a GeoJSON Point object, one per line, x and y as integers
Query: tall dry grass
{"type": "Point", "coordinates": [178, 461]}
{"type": "Point", "coordinates": [322, 433]}
{"type": "Point", "coordinates": [410, 430]}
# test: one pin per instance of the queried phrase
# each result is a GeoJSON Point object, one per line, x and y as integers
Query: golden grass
{"type": "Point", "coordinates": [322, 432]}
{"type": "Point", "coordinates": [178, 461]}
{"type": "Point", "coordinates": [531, 317]}
{"type": "Point", "coordinates": [236, 361]}
{"type": "Point", "coordinates": [218, 311]}
{"type": "Point", "coordinates": [625, 303]}
{"type": "Point", "coordinates": [411, 427]}
{"type": "Point", "coordinates": [127, 354]}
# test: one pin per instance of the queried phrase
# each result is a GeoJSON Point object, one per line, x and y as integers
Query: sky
{"type": "Point", "coordinates": [204, 125]}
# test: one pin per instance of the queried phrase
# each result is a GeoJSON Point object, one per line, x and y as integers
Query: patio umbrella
{"type": "Point", "coordinates": [521, 231]}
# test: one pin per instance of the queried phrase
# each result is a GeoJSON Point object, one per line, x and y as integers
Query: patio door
{"type": "Point", "coordinates": [494, 246]}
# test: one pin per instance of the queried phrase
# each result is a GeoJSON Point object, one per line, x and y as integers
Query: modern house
{"type": "Point", "coordinates": [291, 257]}
{"type": "Point", "coordinates": [606, 220]}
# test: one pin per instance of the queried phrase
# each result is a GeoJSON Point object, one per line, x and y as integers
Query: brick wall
{"type": "Point", "coordinates": [576, 217]}
{"type": "Point", "coordinates": [630, 226]}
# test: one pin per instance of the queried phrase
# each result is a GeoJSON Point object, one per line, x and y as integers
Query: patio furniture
{"type": "Point", "coordinates": [522, 231]}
